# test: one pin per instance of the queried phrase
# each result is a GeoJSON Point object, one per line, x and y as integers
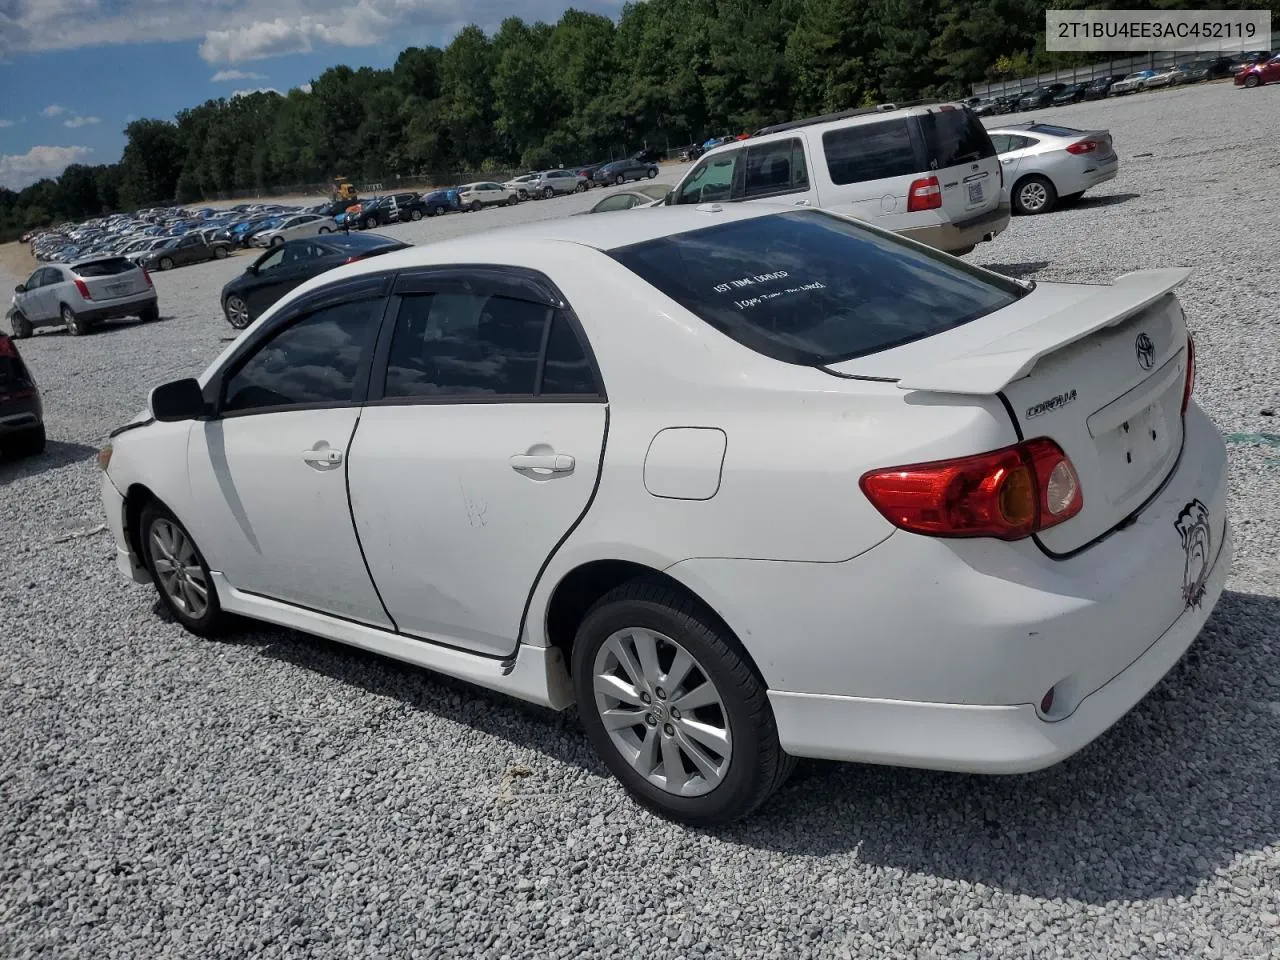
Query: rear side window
{"type": "Point", "coordinates": [811, 288]}
{"type": "Point", "coordinates": [774, 168]}
{"type": "Point", "coordinates": [105, 268]}
{"type": "Point", "coordinates": [953, 137]}
{"type": "Point", "coordinates": [1049, 130]}
{"type": "Point", "coordinates": [870, 151]}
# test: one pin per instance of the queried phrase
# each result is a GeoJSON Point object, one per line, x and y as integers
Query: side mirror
{"type": "Point", "coordinates": [177, 401]}
{"type": "Point", "coordinates": [20, 288]}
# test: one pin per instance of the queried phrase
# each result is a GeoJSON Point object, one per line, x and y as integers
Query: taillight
{"type": "Point", "coordinates": [84, 290]}
{"type": "Point", "coordinates": [7, 349]}
{"type": "Point", "coordinates": [1008, 494]}
{"type": "Point", "coordinates": [1191, 373]}
{"type": "Point", "coordinates": [147, 277]}
{"type": "Point", "coordinates": [925, 194]}
{"type": "Point", "coordinates": [1082, 146]}
{"type": "Point", "coordinates": [354, 258]}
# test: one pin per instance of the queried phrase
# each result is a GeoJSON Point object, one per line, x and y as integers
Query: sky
{"type": "Point", "coordinates": [74, 73]}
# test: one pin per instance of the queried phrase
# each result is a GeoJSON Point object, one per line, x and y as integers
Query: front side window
{"type": "Point", "coordinates": [271, 262]}
{"type": "Point", "coordinates": [313, 361]}
{"type": "Point", "coordinates": [870, 151]}
{"type": "Point", "coordinates": [617, 202]}
{"type": "Point", "coordinates": [771, 169]}
{"type": "Point", "coordinates": [712, 179]}
{"type": "Point", "coordinates": [812, 288]}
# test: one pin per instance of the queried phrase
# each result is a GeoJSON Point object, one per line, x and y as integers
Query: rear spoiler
{"type": "Point", "coordinates": [993, 366]}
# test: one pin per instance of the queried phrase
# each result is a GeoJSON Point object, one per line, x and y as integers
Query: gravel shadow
{"type": "Point", "coordinates": [1186, 783]}
{"type": "Point", "coordinates": [1017, 271]}
{"type": "Point", "coordinates": [1089, 201]}
{"type": "Point", "coordinates": [56, 454]}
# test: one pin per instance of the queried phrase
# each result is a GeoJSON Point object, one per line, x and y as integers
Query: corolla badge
{"type": "Point", "coordinates": [1193, 527]}
{"type": "Point", "coordinates": [1146, 351]}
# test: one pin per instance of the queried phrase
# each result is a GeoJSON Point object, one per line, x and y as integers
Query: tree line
{"type": "Point", "coordinates": [668, 72]}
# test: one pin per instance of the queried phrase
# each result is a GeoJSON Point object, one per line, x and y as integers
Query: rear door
{"type": "Point", "coordinates": [776, 171]}
{"type": "Point", "coordinates": [1011, 148]}
{"type": "Point", "coordinates": [959, 149]}
{"type": "Point", "coordinates": [477, 451]}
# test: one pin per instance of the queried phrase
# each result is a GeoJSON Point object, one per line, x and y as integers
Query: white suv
{"type": "Point", "coordinates": [926, 171]}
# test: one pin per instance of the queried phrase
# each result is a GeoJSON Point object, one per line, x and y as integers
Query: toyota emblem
{"type": "Point", "coordinates": [1146, 351]}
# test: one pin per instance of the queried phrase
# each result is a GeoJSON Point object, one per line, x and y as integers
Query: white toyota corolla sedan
{"type": "Point", "coordinates": [745, 484]}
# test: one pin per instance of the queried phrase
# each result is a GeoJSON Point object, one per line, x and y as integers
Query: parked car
{"type": "Point", "coordinates": [290, 228]}
{"type": "Point", "coordinates": [1073, 93]}
{"type": "Point", "coordinates": [1168, 77]}
{"type": "Point", "coordinates": [1259, 73]}
{"type": "Point", "coordinates": [927, 171]}
{"type": "Point", "coordinates": [21, 409]}
{"type": "Point", "coordinates": [1040, 97]}
{"type": "Point", "coordinates": [1133, 83]}
{"type": "Point", "coordinates": [1212, 68]}
{"type": "Point", "coordinates": [81, 296]}
{"type": "Point", "coordinates": [1007, 103]}
{"type": "Point", "coordinates": [641, 195]}
{"type": "Point", "coordinates": [188, 249]}
{"type": "Point", "coordinates": [893, 419]}
{"type": "Point", "coordinates": [620, 171]}
{"type": "Point", "coordinates": [648, 155]}
{"type": "Point", "coordinates": [1097, 89]}
{"type": "Point", "coordinates": [440, 202]}
{"type": "Point", "coordinates": [485, 193]}
{"type": "Point", "coordinates": [551, 183]}
{"type": "Point", "coordinates": [1247, 60]}
{"type": "Point", "coordinates": [522, 185]}
{"type": "Point", "coordinates": [986, 106]}
{"type": "Point", "coordinates": [1045, 164]}
{"type": "Point", "coordinates": [692, 152]}
{"type": "Point", "coordinates": [285, 267]}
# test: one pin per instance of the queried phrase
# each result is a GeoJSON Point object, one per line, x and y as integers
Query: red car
{"type": "Point", "coordinates": [21, 413]}
{"type": "Point", "coordinates": [1255, 76]}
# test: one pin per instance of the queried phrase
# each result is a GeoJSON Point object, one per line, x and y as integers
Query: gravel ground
{"type": "Point", "coordinates": [280, 796]}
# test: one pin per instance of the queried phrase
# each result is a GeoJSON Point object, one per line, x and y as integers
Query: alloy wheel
{"type": "Point", "coordinates": [237, 313]}
{"type": "Point", "coordinates": [177, 567]}
{"type": "Point", "coordinates": [1033, 196]}
{"type": "Point", "coordinates": [662, 712]}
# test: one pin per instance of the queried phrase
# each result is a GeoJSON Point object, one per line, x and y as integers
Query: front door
{"type": "Point", "coordinates": [270, 472]}
{"type": "Point", "coordinates": [467, 469]}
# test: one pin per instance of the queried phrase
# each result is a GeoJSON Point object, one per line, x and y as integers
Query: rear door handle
{"type": "Point", "coordinates": [553, 462]}
{"type": "Point", "coordinates": [325, 456]}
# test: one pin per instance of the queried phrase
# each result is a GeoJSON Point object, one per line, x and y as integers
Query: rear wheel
{"type": "Point", "coordinates": [437, 211]}
{"type": "Point", "coordinates": [1034, 194]}
{"type": "Point", "coordinates": [548, 193]}
{"type": "Point", "coordinates": [324, 230]}
{"type": "Point", "coordinates": [28, 443]}
{"type": "Point", "coordinates": [619, 180]}
{"type": "Point", "coordinates": [277, 241]}
{"type": "Point", "coordinates": [150, 315]}
{"type": "Point", "coordinates": [370, 222]}
{"type": "Point", "coordinates": [166, 263]}
{"type": "Point", "coordinates": [580, 188]}
{"type": "Point", "coordinates": [652, 174]}
{"type": "Point", "coordinates": [75, 326]}
{"type": "Point", "coordinates": [415, 214]}
{"type": "Point", "coordinates": [673, 707]}
{"type": "Point", "coordinates": [220, 253]}
{"type": "Point", "coordinates": [21, 326]}
{"type": "Point", "coordinates": [476, 206]}
{"type": "Point", "coordinates": [237, 312]}
{"type": "Point", "coordinates": [179, 572]}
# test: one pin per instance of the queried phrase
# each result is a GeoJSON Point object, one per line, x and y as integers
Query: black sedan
{"type": "Point", "coordinates": [620, 171]}
{"type": "Point", "coordinates": [1072, 94]}
{"type": "Point", "coordinates": [291, 264]}
{"type": "Point", "coordinates": [21, 413]}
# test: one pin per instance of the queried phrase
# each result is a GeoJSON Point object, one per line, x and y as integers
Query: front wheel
{"type": "Point", "coordinates": [149, 314]}
{"type": "Point", "coordinates": [21, 326]}
{"type": "Point", "coordinates": [619, 180]}
{"type": "Point", "coordinates": [437, 211]}
{"type": "Point", "coordinates": [674, 708]}
{"type": "Point", "coordinates": [323, 230]}
{"type": "Point", "coordinates": [652, 174]}
{"type": "Point", "coordinates": [476, 206]}
{"type": "Point", "coordinates": [166, 263]}
{"type": "Point", "coordinates": [179, 572]}
{"type": "Point", "coordinates": [237, 312]}
{"type": "Point", "coordinates": [580, 188]}
{"type": "Point", "coordinates": [220, 253]}
{"type": "Point", "coordinates": [370, 222]}
{"type": "Point", "coordinates": [1034, 195]}
{"type": "Point", "coordinates": [548, 193]}
{"type": "Point", "coordinates": [1251, 81]}
{"type": "Point", "coordinates": [415, 214]}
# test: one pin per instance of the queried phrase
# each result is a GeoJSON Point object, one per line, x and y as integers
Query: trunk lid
{"type": "Point", "coordinates": [1098, 369]}
{"type": "Point", "coordinates": [111, 277]}
{"type": "Point", "coordinates": [963, 159]}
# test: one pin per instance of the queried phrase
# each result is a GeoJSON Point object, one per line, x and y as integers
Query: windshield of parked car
{"type": "Point", "coordinates": [812, 288]}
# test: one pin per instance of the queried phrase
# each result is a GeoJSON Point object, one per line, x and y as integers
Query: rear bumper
{"type": "Point", "coordinates": [1087, 177]}
{"type": "Point", "coordinates": [129, 306]}
{"type": "Point", "coordinates": [963, 234]}
{"type": "Point", "coordinates": [20, 415]}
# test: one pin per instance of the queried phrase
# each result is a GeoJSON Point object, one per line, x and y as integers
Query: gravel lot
{"type": "Point", "coordinates": [280, 796]}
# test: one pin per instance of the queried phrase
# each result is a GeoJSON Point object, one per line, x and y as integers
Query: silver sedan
{"type": "Point", "coordinates": [1045, 164]}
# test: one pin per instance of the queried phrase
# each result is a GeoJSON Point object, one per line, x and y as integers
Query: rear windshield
{"type": "Point", "coordinates": [1050, 130]}
{"type": "Point", "coordinates": [811, 288]}
{"type": "Point", "coordinates": [360, 241]}
{"type": "Point", "coordinates": [104, 268]}
{"type": "Point", "coordinates": [954, 137]}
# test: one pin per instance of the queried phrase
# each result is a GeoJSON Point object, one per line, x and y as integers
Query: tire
{"type": "Point", "coordinates": [28, 443]}
{"type": "Point", "coordinates": [415, 214]}
{"type": "Point", "coordinates": [166, 263]}
{"type": "Point", "coordinates": [548, 193]}
{"type": "Point", "coordinates": [75, 326]}
{"type": "Point", "coordinates": [580, 188]}
{"type": "Point", "coordinates": [149, 315]}
{"type": "Point", "coordinates": [652, 173]}
{"type": "Point", "coordinates": [755, 764]}
{"type": "Point", "coordinates": [1251, 81]}
{"type": "Point", "coordinates": [522, 195]}
{"type": "Point", "coordinates": [510, 201]}
{"type": "Point", "coordinates": [220, 253]}
{"type": "Point", "coordinates": [370, 222]}
{"type": "Point", "coordinates": [476, 206]}
{"type": "Point", "coordinates": [21, 326]}
{"type": "Point", "coordinates": [438, 211]}
{"type": "Point", "coordinates": [237, 312]}
{"type": "Point", "coordinates": [1034, 194]}
{"type": "Point", "coordinates": [323, 230]}
{"type": "Point", "coordinates": [619, 180]}
{"type": "Point", "coordinates": [277, 242]}
{"type": "Point", "coordinates": [191, 598]}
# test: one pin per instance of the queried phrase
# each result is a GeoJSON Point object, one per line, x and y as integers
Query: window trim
{"type": "Point", "coordinates": [517, 283]}
{"type": "Point", "coordinates": [368, 287]}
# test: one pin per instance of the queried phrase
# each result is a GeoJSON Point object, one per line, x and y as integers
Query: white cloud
{"type": "Point", "coordinates": [79, 121]}
{"type": "Point", "coordinates": [5, 123]}
{"type": "Point", "coordinates": [222, 76]}
{"type": "Point", "coordinates": [22, 170]}
{"type": "Point", "coordinates": [273, 38]}
{"type": "Point", "coordinates": [53, 110]}
{"type": "Point", "coordinates": [305, 88]}
{"type": "Point", "coordinates": [246, 93]}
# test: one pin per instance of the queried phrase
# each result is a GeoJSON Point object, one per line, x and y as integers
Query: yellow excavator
{"type": "Point", "coordinates": [342, 189]}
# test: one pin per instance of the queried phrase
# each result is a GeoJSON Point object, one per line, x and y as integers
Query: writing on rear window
{"type": "Point", "coordinates": [774, 294]}
{"type": "Point", "coordinates": [749, 281]}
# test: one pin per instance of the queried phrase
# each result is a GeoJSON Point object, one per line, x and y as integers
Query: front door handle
{"type": "Point", "coordinates": [1010, 160]}
{"type": "Point", "coordinates": [322, 456]}
{"type": "Point", "coordinates": [551, 462]}
{"type": "Point", "coordinates": [800, 203]}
